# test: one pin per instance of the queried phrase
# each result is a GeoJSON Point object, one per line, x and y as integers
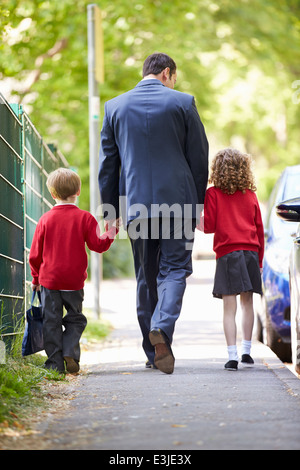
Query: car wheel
{"type": "Point", "coordinates": [274, 341]}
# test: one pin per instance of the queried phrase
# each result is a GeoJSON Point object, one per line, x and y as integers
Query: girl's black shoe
{"type": "Point", "coordinates": [231, 365]}
{"type": "Point", "coordinates": [247, 360]}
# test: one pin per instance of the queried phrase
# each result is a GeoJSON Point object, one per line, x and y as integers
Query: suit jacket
{"type": "Point", "coordinates": [153, 150]}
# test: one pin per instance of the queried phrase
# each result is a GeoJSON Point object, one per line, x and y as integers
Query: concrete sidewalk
{"type": "Point", "coordinates": [116, 404]}
{"type": "Point", "coordinates": [199, 406]}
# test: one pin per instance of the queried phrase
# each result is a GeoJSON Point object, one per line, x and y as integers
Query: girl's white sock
{"type": "Point", "coordinates": [232, 353]}
{"type": "Point", "coordinates": [246, 347]}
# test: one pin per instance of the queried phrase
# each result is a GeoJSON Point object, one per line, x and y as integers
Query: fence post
{"type": "Point", "coordinates": [94, 134]}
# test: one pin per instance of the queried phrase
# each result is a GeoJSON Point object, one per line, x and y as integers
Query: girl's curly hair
{"type": "Point", "coordinates": [231, 171]}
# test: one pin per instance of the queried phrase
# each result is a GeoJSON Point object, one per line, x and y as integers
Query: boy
{"type": "Point", "coordinates": [58, 262]}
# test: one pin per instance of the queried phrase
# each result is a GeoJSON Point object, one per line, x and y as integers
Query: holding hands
{"type": "Point", "coordinates": [113, 223]}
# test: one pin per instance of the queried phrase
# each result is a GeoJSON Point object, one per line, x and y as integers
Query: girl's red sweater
{"type": "Point", "coordinates": [58, 258]}
{"type": "Point", "coordinates": [236, 221]}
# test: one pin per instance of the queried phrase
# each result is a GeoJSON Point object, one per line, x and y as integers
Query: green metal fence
{"type": "Point", "coordinates": [25, 162]}
{"type": "Point", "coordinates": [11, 219]}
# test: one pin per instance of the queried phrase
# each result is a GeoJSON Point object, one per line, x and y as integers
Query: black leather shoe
{"type": "Point", "coordinates": [164, 359]}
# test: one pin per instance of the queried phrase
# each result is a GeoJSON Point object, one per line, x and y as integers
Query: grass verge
{"type": "Point", "coordinates": [23, 380]}
{"type": "Point", "coordinates": [21, 388]}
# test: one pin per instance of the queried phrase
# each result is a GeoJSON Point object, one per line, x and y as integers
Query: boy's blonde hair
{"type": "Point", "coordinates": [231, 170]}
{"type": "Point", "coordinates": [63, 183]}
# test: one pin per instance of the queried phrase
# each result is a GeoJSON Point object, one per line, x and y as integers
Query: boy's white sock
{"type": "Point", "coordinates": [232, 353]}
{"type": "Point", "coordinates": [246, 347]}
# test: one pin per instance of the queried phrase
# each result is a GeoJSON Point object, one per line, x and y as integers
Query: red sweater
{"type": "Point", "coordinates": [236, 221]}
{"type": "Point", "coordinates": [58, 258]}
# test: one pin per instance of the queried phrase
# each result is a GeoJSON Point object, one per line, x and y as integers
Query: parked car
{"type": "Point", "coordinates": [290, 211]}
{"type": "Point", "coordinates": [273, 312]}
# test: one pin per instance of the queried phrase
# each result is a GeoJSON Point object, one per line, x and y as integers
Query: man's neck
{"type": "Point", "coordinates": [152, 77]}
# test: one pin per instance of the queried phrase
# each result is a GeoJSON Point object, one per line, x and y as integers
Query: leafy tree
{"type": "Point", "coordinates": [239, 59]}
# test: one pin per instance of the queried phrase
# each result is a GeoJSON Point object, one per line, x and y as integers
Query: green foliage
{"type": "Point", "coordinates": [216, 46]}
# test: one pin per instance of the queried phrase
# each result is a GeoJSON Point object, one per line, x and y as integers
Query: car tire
{"type": "Point", "coordinates": [274, 341]}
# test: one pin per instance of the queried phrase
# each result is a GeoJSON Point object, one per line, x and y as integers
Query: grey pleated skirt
{"type": "Point", "coordinates": [237, 272]}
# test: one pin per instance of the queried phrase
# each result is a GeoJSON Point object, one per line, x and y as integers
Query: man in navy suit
{"type": "Point", "coordinates": [154, 157]}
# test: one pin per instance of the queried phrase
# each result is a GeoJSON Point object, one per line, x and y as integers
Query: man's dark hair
{"type": "Point", "coordinates": [157, 62]}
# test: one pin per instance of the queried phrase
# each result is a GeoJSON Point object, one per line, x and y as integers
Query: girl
{"type": "Point", "coordinates": [232, 213]}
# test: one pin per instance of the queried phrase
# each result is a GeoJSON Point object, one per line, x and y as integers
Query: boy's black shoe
{"type": "Point", "coordinates": [247, 360]}
{"type": "Point", "coordinates": [149, 365]}
{"type": "Point", "coordinates": [231, 365]}
{"type": "Point", "coordinates": [72, 365]}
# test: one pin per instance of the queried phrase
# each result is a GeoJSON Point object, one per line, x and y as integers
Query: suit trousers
{"type": "Point", "coordinates": [62, 332]}
{"type": "Point", "coordinates": [163, 260]}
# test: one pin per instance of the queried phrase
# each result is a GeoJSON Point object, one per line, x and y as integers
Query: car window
{"type": "Point", "coordinates": [286, 187]}
{"type": "Point", "coordinates": [292, 186]}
